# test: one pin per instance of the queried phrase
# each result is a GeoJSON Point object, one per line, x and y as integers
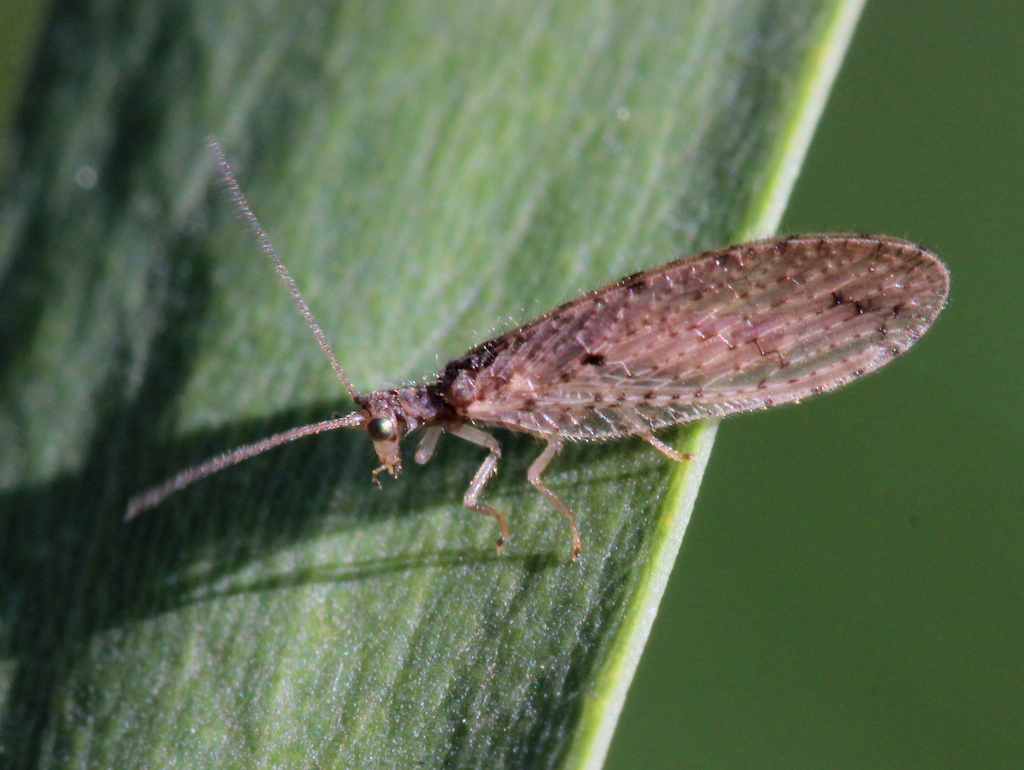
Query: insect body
{"type": "Point", "coordinates": [733, 330]}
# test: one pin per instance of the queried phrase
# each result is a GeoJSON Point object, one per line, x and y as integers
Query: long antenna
{"type": "Point", "coordinates": [155, 495]}
{"type": "Point", "coordinates": [228, 177]}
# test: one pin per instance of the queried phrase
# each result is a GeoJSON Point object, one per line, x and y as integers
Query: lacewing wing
{"type": "Point", "coordinates": [731, 330]}
{"type": "Point", "coordinates": [743, 328]}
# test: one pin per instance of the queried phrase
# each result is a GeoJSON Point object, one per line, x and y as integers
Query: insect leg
{"type": "Point", "coordinates": [537, 467]}
{"type": "Point", "coordinates": [665, 449]}
{"type": "Point", "coordinates": [428, 444]}
{"type": "Point", "coordinates": [487, 468]}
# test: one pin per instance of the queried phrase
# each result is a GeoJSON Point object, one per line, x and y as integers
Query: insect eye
{"type": "Point", "coordinates": [381, 428]}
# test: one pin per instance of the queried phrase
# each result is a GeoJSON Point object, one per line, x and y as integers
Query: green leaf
{"type": "Point", "coordinates": [432, 174]}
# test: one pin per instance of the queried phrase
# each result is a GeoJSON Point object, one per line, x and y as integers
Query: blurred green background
{"type": "Point", "coordinates": [850, 592]}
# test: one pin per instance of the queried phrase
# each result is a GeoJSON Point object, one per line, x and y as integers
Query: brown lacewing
{"type": "Point", "coordinates": [733, 330]}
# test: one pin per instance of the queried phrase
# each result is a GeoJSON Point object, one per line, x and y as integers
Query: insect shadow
{"type": "Point", "coordinates": [316, 487]}
{"type": "Point", "coordinates": [71, 569]}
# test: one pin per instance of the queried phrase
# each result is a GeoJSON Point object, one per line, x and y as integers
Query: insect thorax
{"type": "Point", "coordinates": [415, 406]}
